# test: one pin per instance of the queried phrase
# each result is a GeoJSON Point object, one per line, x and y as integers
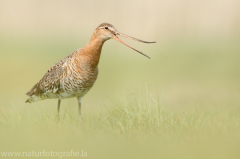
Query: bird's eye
{"type": "Point", "coordinates": [106, 28]}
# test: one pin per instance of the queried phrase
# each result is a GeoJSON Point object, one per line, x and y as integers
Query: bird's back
{"type": "Point", "coordinates": [67, 78]}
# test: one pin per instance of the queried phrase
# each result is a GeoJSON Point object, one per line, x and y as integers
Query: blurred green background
{"type": "Point", "coordinates": [195, 63]}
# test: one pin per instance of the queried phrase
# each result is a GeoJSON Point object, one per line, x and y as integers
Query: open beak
{"type": "Point", "coordinates": [129, 37]}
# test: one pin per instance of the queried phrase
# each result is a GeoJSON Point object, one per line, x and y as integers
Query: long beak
{"type": "Point", "coordinates": [129, 37]}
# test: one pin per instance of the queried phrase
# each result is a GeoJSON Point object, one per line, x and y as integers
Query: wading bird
{"type": "Point", "coordinates": [74, 75]}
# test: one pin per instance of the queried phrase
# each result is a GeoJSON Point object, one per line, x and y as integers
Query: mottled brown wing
{"type": "Point", "coordinates": [50, 81]}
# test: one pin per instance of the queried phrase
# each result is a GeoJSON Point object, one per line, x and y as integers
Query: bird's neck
{"type": "Point", "coordinates": [92, 51]}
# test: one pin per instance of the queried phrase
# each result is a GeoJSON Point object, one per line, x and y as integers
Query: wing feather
{"type": "Point", "coordinates": [51, 80]}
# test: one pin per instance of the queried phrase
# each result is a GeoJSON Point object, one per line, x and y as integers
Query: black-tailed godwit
{"type": "Point", "coordinates": [74, 75]}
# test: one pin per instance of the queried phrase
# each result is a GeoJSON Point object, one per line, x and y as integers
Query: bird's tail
{"type": "Point", "coordinates": [28, 101]}
{"type": "Point", "coordinates": [33, 98]}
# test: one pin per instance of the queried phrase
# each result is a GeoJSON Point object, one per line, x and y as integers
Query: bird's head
{"type": "Point", "coordinates": [107, 31]}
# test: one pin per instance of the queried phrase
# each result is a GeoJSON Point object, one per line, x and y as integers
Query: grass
{"type": "Point", "coordinates": [137, 128]}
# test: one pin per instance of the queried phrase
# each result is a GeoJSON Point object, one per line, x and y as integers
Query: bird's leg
{"type": "Point", "coordinates": [79, 108]}
{"type": "Point", "coordinates": [59, 102]}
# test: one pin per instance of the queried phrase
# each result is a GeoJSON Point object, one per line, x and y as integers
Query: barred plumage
{"type": "Point", "coordinates": [65, 79]}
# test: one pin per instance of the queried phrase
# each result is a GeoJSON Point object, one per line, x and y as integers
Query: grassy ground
{"type": "Point", "coordinates": [134, 129]}
{"type": "Point", "coordinates": [183, 103]}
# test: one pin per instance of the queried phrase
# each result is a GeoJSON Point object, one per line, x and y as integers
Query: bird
{"type": "Point", "coordinates": [75, 75]}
